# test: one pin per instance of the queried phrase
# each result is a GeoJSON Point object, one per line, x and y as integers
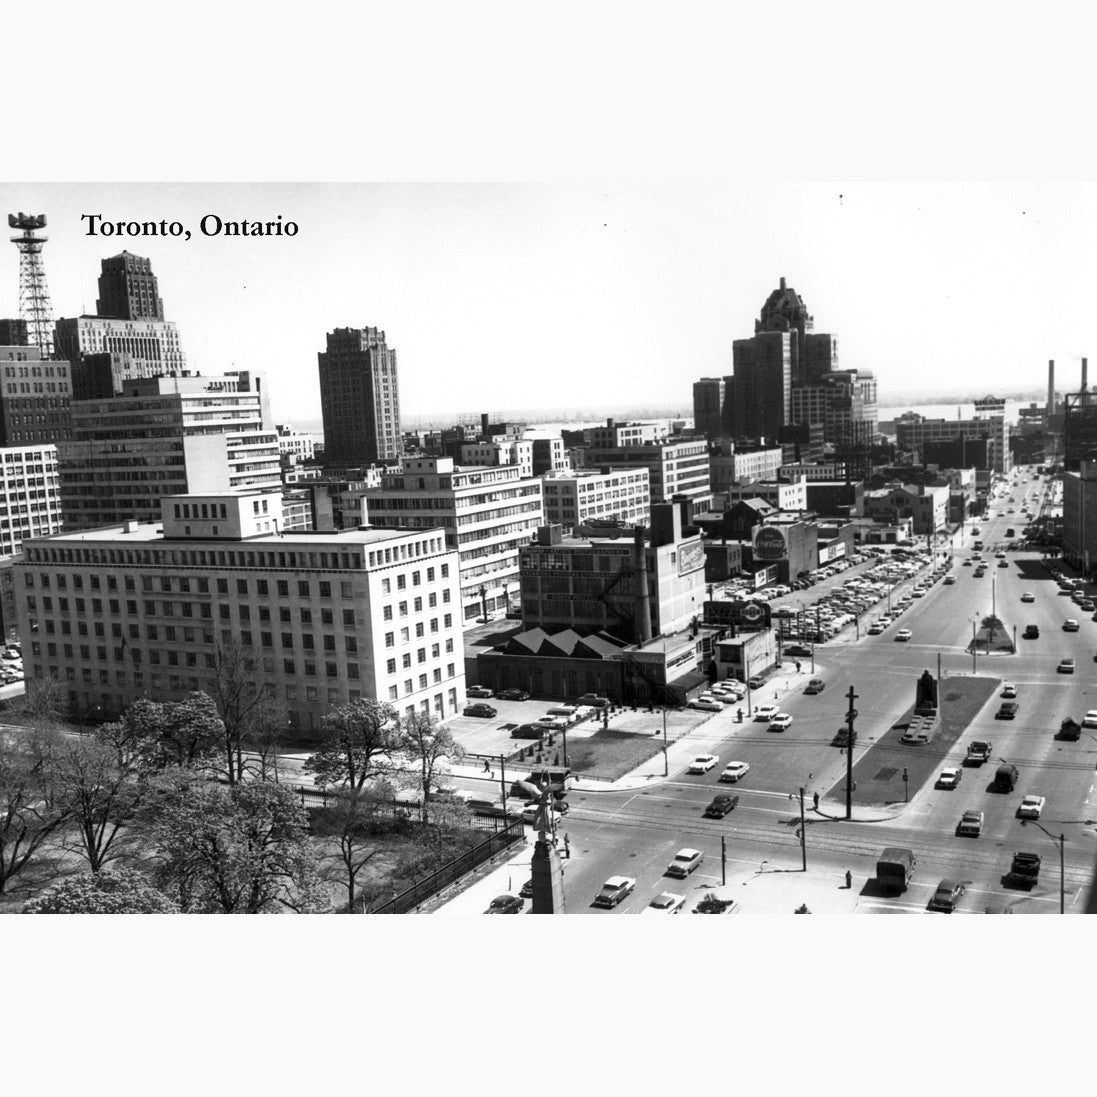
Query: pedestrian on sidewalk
{"type": "Point", "coordinates": [815, 799]}
{"type": "Point", "coordinates": [849, 879]}
{"type": "Point", "coordinates": [567, 847]}
{"type": "Point", "coordinates": [487, 767]}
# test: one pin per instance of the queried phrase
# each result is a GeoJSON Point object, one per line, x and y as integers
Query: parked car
{"type": "Point", "coordinates": [528, 731]}
{"type": "Point", "coordinates": [735, 771]}
{"type": "Point", "coordinates": [595, 700]}
{"type": "Point", "coordinates": [614, 890]}
{"type": "Point", "coordinates": [554, 723]}
{"type": "Point", "coordinates": [1070, 625]}
{"type": "Point", "coordinates": [479, 691]}
{"type": "Point", "coordinates": [705, 705]}
{"type": "Point", "coordinates": [478, 709]}
{"type": "Point", "coordinates": [513, 695]}
{"type": "Point", "coordinates": [702, 763]}
{"type": "Point", "coordinates": [666, 903]}
{"type": "Point", "coordinates": [797, 650]}
{"type": "Point", "coordinates": [506, 904]}
{"type": "Point", "coordinates": [720, 806]}
{"type": "Point", "coordinates": [756, 681]}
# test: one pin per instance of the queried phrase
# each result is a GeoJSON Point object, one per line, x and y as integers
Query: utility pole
{"type": "Point", "coordinates": [723, 860]}
{"type": "Point", "coordinates": [849, 753]}
{"type": "Point", "coordinates": [803, 833]}
{"type": "Point", "coordinates": [972, 647]}
{"type": "Point", "coordinates": [906, 787]}
{"type": "Point", "coordinates": [503, 779]}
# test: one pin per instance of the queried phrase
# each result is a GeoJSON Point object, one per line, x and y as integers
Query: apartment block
{"type": "Point", "coordinates": [142, 610]}
{"type": "Point", "coordinates": [621, 495]}
{"type": "Point", "coordinates": [30, 495]}
{"type": "Point", "coordinates": [498, 452]}
{"type": "Point", "coordinates": [487, 513]}
{"type": "Point", "coordinates": [35, 398]}
{"type": "Point", "coordinates": [676, 466]}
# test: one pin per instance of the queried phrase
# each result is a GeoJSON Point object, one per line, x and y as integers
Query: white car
{"type": "Point", "coordinates": [1090, 719]}
{"type": "Point", "coordinates": [702, 763]}
{"type": "Point", "coordinates": [685, 861]}
{"type": "Point", "coordinates": [950, 777]}
{"type": "Point", "coordinates": [1008, 689]}
{"type": "Point", "coordinates": [904, 634]}
{"type": "Point", "coordinates": [705, 705]}
{"type": "Point", "coordinates": [667, 903]}
{"type": "Point", "coordinates": [780, 722]}
{"type": "Point", "coordinates": [1031, 807]}
{"type": "Point", "coordinates": [733, 771]}
{"type": "Point", "coordinates": [709, 696]}
{"type": "Point", "coordinates": [765, 712]}
{"type": "Point", "coordinates": [555, 723]}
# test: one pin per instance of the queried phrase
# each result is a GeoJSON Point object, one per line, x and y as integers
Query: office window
{"type": "Point", "coordinates": [401, 582]}
{"type": "Point", "coordinates": [348, 618]}
{"type": "Point", "coordinates": [302, 588]}
{"type": "Point", "coordinates": [306, 617]}
{"type": "Point", "coordinates": [325, 589]}
{"type": "Point", "coordinates": [386, 613]}
{"type": "Point", "coordinates": [390, 666]}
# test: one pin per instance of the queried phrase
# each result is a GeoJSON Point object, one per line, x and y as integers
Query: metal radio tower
{"type": "Point", "coordinates": [34, 296]}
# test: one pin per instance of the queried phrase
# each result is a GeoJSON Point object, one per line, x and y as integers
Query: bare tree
{"type": "Point", "coordinates": [30, 812]}
{"type": "Point", "coordinates": [429, 745]}
{"type": "Point", "coordinates": [98, 794]}
{"type": "Point", "coordinates": [245, 707]}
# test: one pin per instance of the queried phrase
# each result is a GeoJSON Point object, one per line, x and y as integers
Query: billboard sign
{"type": "Point", "coordinates": [746, 615]}
{"type": "Point", "coordinates": [770, 543]}
{"type": "Point", "coordinates": [691, 556]}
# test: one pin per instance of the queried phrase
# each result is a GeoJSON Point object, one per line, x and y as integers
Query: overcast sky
{"type": "Point", "coordinates": [516, 296]}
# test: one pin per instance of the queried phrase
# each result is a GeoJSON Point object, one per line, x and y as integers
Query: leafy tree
{"type": "Point", "coordinates": [240, 849]}
{"type": "Point", "coordinates": [358, 741]}
{"type": "Point", "coordinates": [121, 891]}
{"type": "Point", "coordinates": [252, 722]}
{"type": "Point", "coordinates": [159, 734]}
{"type": "Point", "coordinates": [97, 792]}
{"type": "Point", "coordinates": [45, 702]}
{"type": "Point", "coordinates": [428, 745]}
{"type": "Point", "coordinates": [30, 814]}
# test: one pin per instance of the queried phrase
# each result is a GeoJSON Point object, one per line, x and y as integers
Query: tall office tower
{"type": "Point", "coordinates": [127, 289]}
{"type": "Point", "coordinates": [711, 406]}
{"type": "Point", "coordinates": [811, 355]}
{"type": "Point", "coordinates": [761, 400]}
{"type": "Point", "coordinates": [359, 398]}
{"type": "Point", "coordinates": [35, 397]}
{"type": "Point", "coordinates": [165, 436]}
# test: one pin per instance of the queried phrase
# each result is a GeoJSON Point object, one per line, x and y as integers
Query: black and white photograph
{"type": "Point", "coordinates": [599, 461]}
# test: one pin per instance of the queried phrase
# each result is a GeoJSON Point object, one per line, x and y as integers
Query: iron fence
{"type": "Point", "coordinates": [509, 832]}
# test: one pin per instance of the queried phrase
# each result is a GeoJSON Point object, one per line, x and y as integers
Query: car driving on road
{"type": "Point", "coordinates": [666, 903]}
{"type": "Point", "coordinates": [780, 722]}
{"type": "Point", "coordinates": [685, 861]}
{"type": "Point", "coordinates": [903, 635]}
{"type": "Point", "coordinates": [506, 904]}
{"type": "Point", "coordinates": [970, 825]}
{"type": "Point", "coordinates": [735, 771]}
{"type": "Point", "coordinates": [950, 777]}
{"type": "Point", "coordinates": [702, 763]}
{"type": "Point", "coordinates": [614, 890]}
{"type": "Point", "coordinates": [720, 806]}
{"type": "Point", "coordinates": [947, 896]}
{"type": "Point", "coordinates": [1031, 807]}
{"type": "Point", "coordinates": [765, 712]}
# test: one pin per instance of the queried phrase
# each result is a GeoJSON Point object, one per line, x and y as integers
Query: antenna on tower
{"type": "Point", "coordinates": [34, 296]}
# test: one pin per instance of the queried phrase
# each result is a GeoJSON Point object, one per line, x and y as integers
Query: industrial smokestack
{"type": "Point", "coordinates": [1085, 372]}
{"type": "Point", "coordinates": [641, 600]}
{"type": "Point", "coordinates": [1051, 386]}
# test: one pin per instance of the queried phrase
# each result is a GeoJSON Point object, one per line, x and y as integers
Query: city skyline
{"type": "Point", "coordinates": [482, 287]}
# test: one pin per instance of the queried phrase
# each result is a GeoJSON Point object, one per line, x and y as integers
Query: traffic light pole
{"type": "Point", "coordinates": [850, 717]}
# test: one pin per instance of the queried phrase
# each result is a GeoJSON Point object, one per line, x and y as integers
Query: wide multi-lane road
{"type": "Point", "coordinates": [637, 833]}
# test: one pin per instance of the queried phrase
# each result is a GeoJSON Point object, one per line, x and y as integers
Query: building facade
{"type": "Point", "coordinates": [174, 436]}
{"type": "Point", "coordinates": [487, 513]}
{"type": "Point", "coordinates": [621, 495]}
{"type": "Point", "coordinates": [498, 452]}
{"type": "Point", "coordinates": [731, 464]}
{"type": "Point", "coordinates": [128, 289]}
{"type": "Point", "coordinates": [30, 495]}
{"type": "Point", "coordinates": [1080, 516]}
{"type": "Point", "coordinates": [293, 445]}
{"type": "Point", "coordinates": [35, 398]}
{"type": "Point", "coordinates": [122, 613]}
{"type": "Point", "coordinates": [675, 468]}
{"type": "Point", "coordinates": [360, 398]}
{"type": "Point", "coordinates": [151, 347]}
{"type": "Point", "coordinates": [711, 411]}
{"type": "Point", "coordinates": [914, 432]}
{"type": "Point", "coordinates": [782, 495]}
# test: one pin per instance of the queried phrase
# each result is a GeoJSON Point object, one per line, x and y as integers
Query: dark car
{"type": "Point", "coordinates": [797, 649]}
{"type": "Point", "coordinates": [946, 896]}
{"type": "Point", "coordinates": [506, 904]}
{"type": "Point", "coordinates": [841, 739]}
{"type": "Point", "coordinates": [720, 806]}
{"type": "Point", "coordinates": [594, 700]}
{"type": "Point", "coordinates": [1006, 711]}
{"type": "Point", "coordinates": [816, 685]}
{"type": "Point", "coordinates": [513, 695]}
{"type": "Point", "coordinates": [527, 889]}
{"type": "Point", "coordinates": [529, 731]}
{"type": "Point", "coordinates": [478, 709]}
{"type": "Point", "coordinates": [1032, 632]}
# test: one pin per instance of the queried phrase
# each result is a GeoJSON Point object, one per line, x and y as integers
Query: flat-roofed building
{"type": "Point", "coordinates": [487, 513]}
{"type": "Point", "coordinates": [138, 610]}
{"type": "Point", "coordinates": [621, 495]}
